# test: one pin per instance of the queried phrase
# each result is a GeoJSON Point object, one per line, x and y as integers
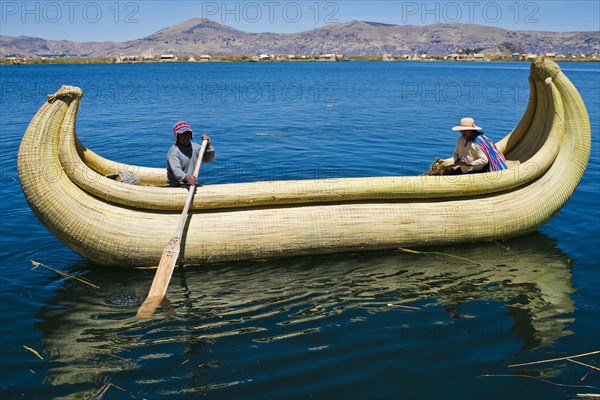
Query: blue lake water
{"type": "Point", "coordinates": [369, 325]}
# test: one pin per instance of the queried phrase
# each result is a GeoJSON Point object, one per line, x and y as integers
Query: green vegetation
{"type": "Point", "coordinates": [67, 60]}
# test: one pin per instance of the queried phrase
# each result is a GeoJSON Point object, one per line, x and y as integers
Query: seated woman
{"type": "Point", "coordinates": [474, 152]}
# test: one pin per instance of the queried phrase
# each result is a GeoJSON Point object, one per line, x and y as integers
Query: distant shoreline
{"type": "Point", "coordinates": [204, 39]}
{"type": "Point", "coordinates": [112, 60]}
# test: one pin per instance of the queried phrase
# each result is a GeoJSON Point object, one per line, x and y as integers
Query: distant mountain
{"type": "Point", "coordinates": [201, 36]}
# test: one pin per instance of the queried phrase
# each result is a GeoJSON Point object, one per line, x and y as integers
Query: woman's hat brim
{"type": "Point", "coordinates": [467, 128]}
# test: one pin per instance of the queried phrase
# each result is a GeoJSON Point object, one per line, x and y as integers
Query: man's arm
{"type": "Point", "coordinates": [209, 154]}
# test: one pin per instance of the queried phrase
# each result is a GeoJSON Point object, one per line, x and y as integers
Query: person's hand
{"type": "Point", "coordinates": [205, 137]}
{"type": "Point", "coordinates": [191, 180]}
{"type": "Point", "coordinates": [462, 161]}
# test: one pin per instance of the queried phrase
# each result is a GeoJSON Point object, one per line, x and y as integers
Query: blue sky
{"type": "Point", "coordinates": [102, 20]}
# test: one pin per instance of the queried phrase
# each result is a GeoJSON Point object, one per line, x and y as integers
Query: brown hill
{"type": "Point", "coordinates": [202, 36]}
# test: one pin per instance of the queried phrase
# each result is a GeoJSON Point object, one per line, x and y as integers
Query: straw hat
{"type": "Point", "coordinates": [467, 124]}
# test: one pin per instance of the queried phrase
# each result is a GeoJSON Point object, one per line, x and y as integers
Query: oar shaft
{"type": "Point", "coordinates": [170, 254]}
{"type": "Point", "coordinates": [190, 196]}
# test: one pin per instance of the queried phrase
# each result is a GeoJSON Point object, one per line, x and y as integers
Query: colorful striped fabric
{"type": "Point", "coordinates": [496, 160]}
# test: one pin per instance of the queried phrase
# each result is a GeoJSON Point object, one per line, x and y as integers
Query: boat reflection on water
{"type": "Point", "coordinates": [92, 333]}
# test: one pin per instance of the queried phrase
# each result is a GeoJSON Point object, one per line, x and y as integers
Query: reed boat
{"type": "Point", "coordinates": [117, 224]}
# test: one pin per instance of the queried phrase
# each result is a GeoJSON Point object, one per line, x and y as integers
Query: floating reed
{"type": "Point", "coordinates": [439, 254]}
{"type": "Point", "coordinates": [34, 352]}
{"type": "Point", "coordinates": [554, 359]}
{"type": "Point", "coordinates": [63, 274]}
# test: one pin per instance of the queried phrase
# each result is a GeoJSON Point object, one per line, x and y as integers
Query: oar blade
{"type": "Point", "coordinates": [160, 284]}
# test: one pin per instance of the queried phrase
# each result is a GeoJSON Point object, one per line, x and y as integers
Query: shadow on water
{"type": "Point", "coordinates": [92, 335]}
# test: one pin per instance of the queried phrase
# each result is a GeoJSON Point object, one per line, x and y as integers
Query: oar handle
{"type": "Point", "coordinates": [200, 157]}
{"type": "Point", "coordinates": [192, 189]}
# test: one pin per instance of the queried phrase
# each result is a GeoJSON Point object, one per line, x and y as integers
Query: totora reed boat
{"type": "Point", "coordinates": [113, 223]}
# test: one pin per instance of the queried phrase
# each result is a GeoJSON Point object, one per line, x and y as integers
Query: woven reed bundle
{"type": "Point", "coordinates": [112, 223]}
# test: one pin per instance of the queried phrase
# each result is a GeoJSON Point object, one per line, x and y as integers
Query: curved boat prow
{"type": "Point", "coordinates": [112, 223]}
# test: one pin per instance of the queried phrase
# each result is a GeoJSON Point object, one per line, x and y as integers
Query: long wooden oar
{"type": "Point", "coordinates": [158, 290]}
